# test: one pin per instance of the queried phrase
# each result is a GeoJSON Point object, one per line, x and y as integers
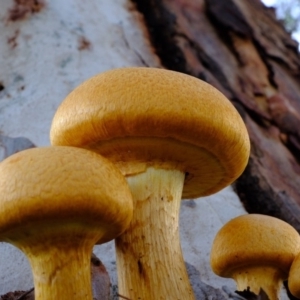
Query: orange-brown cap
{"type": "Point", "coordinates": [41, 187]}
{"type": "Point", "coordinates": [148, 116]}
{"type": "Point", "coordinates": [254, 240]}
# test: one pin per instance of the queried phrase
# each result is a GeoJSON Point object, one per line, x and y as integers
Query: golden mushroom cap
{"type": "Point", "coordinates": [148, 116]}
{"type": "Point", "coordinates": [53, 186]}
{"type": "Point", "coordinates": [254, 240]}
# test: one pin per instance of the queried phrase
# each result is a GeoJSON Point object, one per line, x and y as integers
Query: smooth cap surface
{"type": "Point", "coordinates": [254, 240]}
{"type": "Point", "coordinates": [145, 116]}
{"type": "Point", "coordinates": [53, 185]}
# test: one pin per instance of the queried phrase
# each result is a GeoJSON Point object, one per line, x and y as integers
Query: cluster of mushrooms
{"type": "Point", "coordinates": [127, 146]}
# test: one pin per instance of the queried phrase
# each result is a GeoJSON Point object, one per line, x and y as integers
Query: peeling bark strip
{"type": "Point", "coordinates": [161, 24]}
{"type": "Point", "coordinates": [241, 49]}
{"type": "Point", "coordinates": [228, 17]}
{"type": "Point", "coordinates": [24, 8]}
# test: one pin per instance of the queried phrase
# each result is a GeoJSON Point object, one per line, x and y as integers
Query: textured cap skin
{"type": "Point", "coordinates": [254, 240]}
{"type": "Point", "coordinates": [40, 187]}
{"type": "Point", "coordinates": [149, 116]}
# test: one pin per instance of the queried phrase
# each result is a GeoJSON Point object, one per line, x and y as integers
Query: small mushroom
{"type": "Point", "coordinates": [256, 251]}
{"type": "Point", "coordinates": [172, 136]}
{"type": "Point", "coordinates": [56, 203]}
{"type": "Point", "coordinates": [294, 277]}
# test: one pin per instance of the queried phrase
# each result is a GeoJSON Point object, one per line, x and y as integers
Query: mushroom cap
{"type": "Point", "coordinates": [254, 240]}
{"type": "Point", "coordinates": [294, 277]}
{"type": "Point", "coordinates": [138, 117]}
{"type": "Point", "coordinates": [63, 186]}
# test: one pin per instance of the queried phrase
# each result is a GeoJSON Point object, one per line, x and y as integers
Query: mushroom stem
{"type": "Point", "coordinates": [56, 204]}
{"type": "Point", "coordinates": [262, 277]}
{"type": "Point", "coordinates": [149, 256]}
{"type": "Point", "coordinates": [61, 264]}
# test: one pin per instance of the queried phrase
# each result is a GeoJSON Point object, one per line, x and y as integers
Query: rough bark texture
{"type": "Point", "coordinates": [241, 49]}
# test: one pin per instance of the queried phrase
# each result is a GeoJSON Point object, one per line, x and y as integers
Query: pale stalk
{"type": "Point", "coordinates": [149, 257]}
{"type": "Point", "coordinates": [61, 266]}
{"type": "Point", "coordinates": [256, 278]}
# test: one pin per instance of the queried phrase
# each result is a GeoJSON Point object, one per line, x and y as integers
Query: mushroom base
{"type": "Point", "coordinates": [60, 259]}
{"type": "Point", "coordinates": [264, 278]}
{"type": "Point", "coordinates": [149, 256]}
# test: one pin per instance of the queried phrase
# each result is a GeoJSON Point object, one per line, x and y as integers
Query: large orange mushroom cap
{"type": "Point", "coordinates": [57, 187]}
{"type": "Point", "coordinates": [149, 116]}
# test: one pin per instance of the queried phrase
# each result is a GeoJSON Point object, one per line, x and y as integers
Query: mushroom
{"type": "Point", "coordinates": [56, 203]}
{"type": "Point", "coordinates": [256, 251]}
{"type": "Point", "coordinates": [294, 278]}
{"type": "Point", "coordinates": [173, 136]}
